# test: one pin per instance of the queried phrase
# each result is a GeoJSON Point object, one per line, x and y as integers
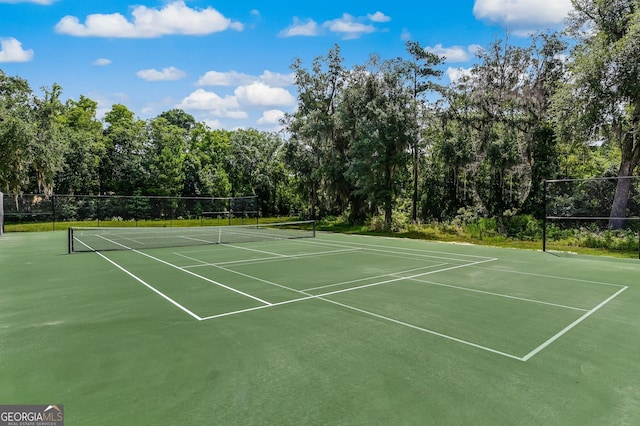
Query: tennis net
{"type": "Point", "coordinates": [81, 239]}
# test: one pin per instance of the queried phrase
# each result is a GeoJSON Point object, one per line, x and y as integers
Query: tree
{"type": "Point", "coordinates": [179, 118]}
{"type": "Point", "coordinates": [504, 108]}
{"type": "Point", "coordinates": [601, 97]}
{"type": "Point", "coordinates": [15, 107]}
{"type": "Point", "coordinates": [254, 165]}
{"type": "Point", "coordinates": [313, 130]}
{"type": "Point", "coordinates": [204, 163]}
{"type": "Point", "coordinates": [420, 69]}
{"type": "Point", "coordinates": [81, 173]}
{"type": "Point", "coordinates": [382, 133]}
{"type": "Point", "coordinates": [47, 143]}
{"type": "Point", "coordinates": [124, 167]}
{"type": "Point", "coordinates": [167, 152]}
{"type": "Point", "coordinates": [32, 143]}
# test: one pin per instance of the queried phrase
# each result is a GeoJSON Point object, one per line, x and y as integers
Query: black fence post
{"type": "Point", "coordinates": [53, 209]}
{"type": "Point", "coordinates": [544, 216]}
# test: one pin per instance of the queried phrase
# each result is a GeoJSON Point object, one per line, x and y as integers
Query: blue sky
{"type": "Point", "coordinates": [228, 62]}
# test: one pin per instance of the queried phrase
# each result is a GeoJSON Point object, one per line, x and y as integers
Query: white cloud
{"type": "Point", "coordinates": [11, 51]}
{"type": "Point", "coordinates": [101, 62]}
{"type": "Point", "coordinates": [236, 115]}
{"type": "Point", "coordinates": [167, 74]}
{"type": "Point", "coordinates": [277, 79]}
{"type": "Point", "coordinates": [260, 94]}
{"type": "Point", "coordinates": [213, 123]}
{"type": "Point", "coordinates": [271, 117]}
{"type": "Point", "coordinates": [454, 53]}
{"type": "Point", "coordinates": [205, 100]}
{"type": "Point", "coordinates": [523, 14]}
{"type": "Point", "coordinates": [299, 28]}
{"type": "Point", "coordinates": [230, 78]}
{"type": "Point", "coordinates": [174, 18]}
{"type": "Point", "coordinates": [378, 17]}
{"type": "Point", "coordinates": [456, 74]}
{"type": "Point", "coordinates": [234, 78]}
{"type": "Point", "coordinates": [270, 120]}
{"type": "Point", "coordinates": [349, 27]}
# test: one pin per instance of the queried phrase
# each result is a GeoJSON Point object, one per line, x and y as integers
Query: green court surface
{"type": "Point", "coordinates": [337, 329]}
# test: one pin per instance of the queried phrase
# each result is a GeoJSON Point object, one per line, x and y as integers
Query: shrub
{"type": "Point", "coordinates": [399, 221]}
{"type": "Point", "coordinates": [522, 227]}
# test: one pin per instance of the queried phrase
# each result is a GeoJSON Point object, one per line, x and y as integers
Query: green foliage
{"type": "Point", "coordinates": [366, 145]}
{"type": "Point", "coordinates": [379, 223]}
{"type": "Point", "coordinates": [87, 146]}
{"type": "Point", "coordinates": [32, 142]}
{"type": "Point", "coordinates": [522, 227]}
{"type": "Point", "coordinates": [611, 240]}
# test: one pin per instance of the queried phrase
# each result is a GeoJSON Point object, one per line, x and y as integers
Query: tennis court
{"type": "Point", "coordinates": [331, 329]}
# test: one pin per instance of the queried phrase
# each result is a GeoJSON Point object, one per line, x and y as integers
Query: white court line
{"type": "Point", "coordinates": [404, 278]}
{"type": "Point", "coordinates": [238, 247]}
{"type": "Point", "coordinates": [266, 259]}
{"type": "Point", "coordinates": [426, 330]}
{"type": "Point", "coordinates": [193, 274]}
{"type": "Point", "coordinates": [570, 326]}
{"type": "Point", "coordinates": [248, 276]}
{"type": "Point", "coordinates": [506, 296]}
{"type": "Point", "coordinates": [130, 239]}
{"type": "Point", "coordinates": [362, 311]}
{"type": "Point", "coordinates": [373, 278]}
{"type": "Point", "coordinates": [550, 276]}
{"type": "Point", "coordinates": [403, 250]}
{"type": "Point", "coordinates": [204, 278]}
{"type": "Point", "coordinates": [395, 252]}
{"type": "Point", "coordinates": [318, 296]}
{"type": "Point", "coordinates": [256, 250]}
{"type": "Point", "coordinates": [184, 237]}
{"type": "Point", "coordinates": [150, 287]}
{"type": "Point", "coordinates": [107, 239]}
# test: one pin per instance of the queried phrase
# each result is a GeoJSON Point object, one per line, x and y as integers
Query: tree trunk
{"type": "Point", "coordinates": [388, 214]}
{"type": "Point", "coordinates": [621, 198]}
{"type": "Point", "coordinates": [414, 207]}
{"type": "Point", "coordinates": [314, 200]}
{"type": "Point", "coordinates": [388, 198]}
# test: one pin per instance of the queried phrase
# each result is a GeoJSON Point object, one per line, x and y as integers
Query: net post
{"type": "Point", "coordinates": [544, 216]}
{"type": "Point", "coordinates": [314, 229]}
{"type": "Point", "coordinates": [1, 213]}
{"type": "Point", "coordinates": [98, 209]}
{"type": "Point", "coordinates": [70, 240]}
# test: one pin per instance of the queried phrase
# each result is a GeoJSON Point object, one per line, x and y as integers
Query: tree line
{"type": "Point", "coordinates": [383, 138]}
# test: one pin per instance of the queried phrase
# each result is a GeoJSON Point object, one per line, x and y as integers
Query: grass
{"type": "Point", "coordinates": [463, 234]}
